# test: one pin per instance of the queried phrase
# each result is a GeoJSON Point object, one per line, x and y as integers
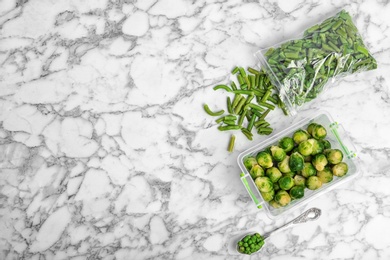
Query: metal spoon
{"type": "Point", "coordinates": [308, 215]}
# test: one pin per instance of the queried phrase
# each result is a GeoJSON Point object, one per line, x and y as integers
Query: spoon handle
{"type": "Point", "coordinates": [308, 215]}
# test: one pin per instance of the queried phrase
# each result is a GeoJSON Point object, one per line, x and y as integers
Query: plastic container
{"type": "Point", "coordinates": [338, 139]}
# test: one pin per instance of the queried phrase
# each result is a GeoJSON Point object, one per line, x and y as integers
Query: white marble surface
{"type": "Point", "coordinates": [106, 153]}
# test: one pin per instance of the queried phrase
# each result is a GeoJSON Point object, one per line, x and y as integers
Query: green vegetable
{"type": "Point", "coordinates": [276, 186]}
{"type": "Point", "coordinates": [225, 87]}
{"type": "Point", "coordinates": [317, 146]}
{"type": "Point", "coordinates": [231, 143]}
{"type": "Point", "coordinates": [297, 192]}
{"type": "Point", "coordinates": [247, 133]}
{"type": "Point", "coordinates": [250, 244]}
{"type": "Point", "coordinates": [286, 143]}
{"type": "Point", "coordinates": [289, 174]}
{"type": "Point", "coordinates": [278, 154]}
{"type": "Point", "coordinates": [282, 198]}
{"type": "Point", "coordinates": [211, 113]}
{"type": "Point", "coordinates": [302, 67]}
{"type": "Point", "coordinates": [313, 183]}
{"type": "Point", "coordinates": [229, 105]}
{"type": "Point", "coordinates": [325, 175]}
{"type": "Point", "coordinates": [284, 165]}
{"type": "Point", "coordinates": [229, 127]}
{"type": "Point", "coordinates": [326, 144]}
{"type": "Point", "coordinates": [305, 148]}
{"type": "Point", "coordinates": [264, 159]}
{"type": "Point", "coordinates": [319, 132]}
{"type": "Point", "coordinates": [299, 180]}
{"type": "Point", "coordinates": [310, 128]}
{"type": "Point", "coordinates": [300, 136]}
{"type": "Point", "coordinates": [308, 170]}
{"type": "Point", "coordinates": [340, 169]}
{"type": "Point", "coordinates": [274, 204]}
{"type": "Point", "coordinates": [274, 174]}
{"type": "Point", "coordinates": [334, 156]}
{"type": "Point", "coordinates": [268, 196]}
{"type": "Point", "coordinates": [319, 162]}
{"type": "Point", "coordinates": [285, 183]}
{"type": "Point", "coordinates": [249, 162]}
{"type": "Point", "coordinates": [296, 162]}
{"type": "Point", "coordinates": [264, 184]}
{"type": "Point", "coordinates": [308, 158]}
{"type": "Point", "coordinates": [256, 171]}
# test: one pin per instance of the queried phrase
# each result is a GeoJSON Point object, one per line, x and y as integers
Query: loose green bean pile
{"type": "Point", "coordinates": [302, 67]}
{"type": "Point", "coordinates": [254, 85]}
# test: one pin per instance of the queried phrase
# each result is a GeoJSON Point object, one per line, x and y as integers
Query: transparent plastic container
{"type": "Point", "coordinates": [338, 139]}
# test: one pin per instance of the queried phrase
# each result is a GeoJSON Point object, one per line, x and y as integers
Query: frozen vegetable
{"type": "Point", "coordinates": [296, 162]}
{"type": "Point", "coordinates": [274, 174]}
{"type": "Point", "coordinates": [308, 170]}
{"type": "Point", "coordinates": [313, 183]}
{"type": "Point", "coordinates": [297, 192]}
{"type": "Point", "coordinates": [264, 159]}
{"type": "Point", "coordinates": [264, 184]}
{"type": "Point", "coordinates": [325, 175]}
{"type": "Point", "coordinates": [286, 143]}
{"type": "Point", "coordinates": [278, 154]}
{"type": "Point", "coordinates": [300, 136]}
{"type": "Point", "coordinates": [286, 182]}
{"type": "Point", "coordinates": [334, 156]}
{"type": "Point", "coordinates": [340, 169]}
{"type": "Point", "coordinates": [282, 198]}
{"type": "Point", "coordinates": [305, 148]}
{"type": "Point", "coordinates": [319, 161]}
{"type": "Point", "coordinates": [256, 171]}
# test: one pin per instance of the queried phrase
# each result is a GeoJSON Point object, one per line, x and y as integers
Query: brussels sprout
{"type": "Point", "coordinates": [305, 148]}
{"type": "Point", "coordinates": [282, 198]}
{"type": "Point", "coordinates": [319, 161]}
{"type": "Point", "coordinates": [299, 180]}
{"type": "Point", "coordinates": [296, 162]}
{"type": "Point", "coordinates": [326, 144]}
{"type": "Point", "coordinates": [318, 147]}
{"type": "Point", "coordinates": [308, 158]}
{"type": "Point", "coordinates": [276, 186]}
{"type": "Point", "coordinates": [300, 136]}
{"type": "Point", "coordinates": [283, 165]}
{"type": "Point", "coordinates": [286, 143]}
{"type": "Point", "coordinates": [256, 171]}
{"type": "Point", "coordinates": [264, 159]}
{"type": "Point", "coordinates": [308, 170]}
{"type": "Point", "coordinates": [267, 196]}
{"type": "Point", "coordinates": [274, 174]}
{"type": "Point", "coordinates": [249, 162]}
{"type": "Point", "coordinates": [264, 184]}
{"type": "Point", "coordinates": [285, 183]}
{"type": "Point", "coordinates": [310, 128]}
{"type": "Point", "coordinates": [297, 192]}
{"type": "Point", "coordinates": [340, 169]}
{"type": "Point", "coordinates": [325, 175]}
{"type": "Point", "coordinates": [313, 183]}
{"type": "Point", "coordinates": [334, 156]}
{"type": "Point", "coordinates": [289, 174]}
{"type": "Point", "coordinates": [274, 204]}
{"type": "Point", "coordinates": [278, 154]}
{"type": "Point", "coordinates": [318, 132]}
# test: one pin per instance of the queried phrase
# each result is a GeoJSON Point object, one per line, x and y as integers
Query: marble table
{"type": "Point", "coordinates": [106, 152]}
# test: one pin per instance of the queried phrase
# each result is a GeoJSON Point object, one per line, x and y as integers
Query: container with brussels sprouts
{"type": "Point", "coordinates": [297, 165]}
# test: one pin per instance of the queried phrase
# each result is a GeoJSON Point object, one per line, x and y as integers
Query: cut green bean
{"type": "Point", "coordinates": [237, 98]}
{"type": "Point", "coordinates": [257, 113]}
{"type": "Point", "coordinates": [233, 85]}
{"type": "Point", "coordinates": [247, 133]}
{"type": "Point", "coordinates": [253, 71]}
{"type": "Point", "coordinates": [254, 106]}
{"type": "Point", "coordinates": [272, 107]}
{"type": "Point", "coordinates": [259, 122]}
{"type": "Point", "coordinates": [238, 108]}
{"type": "Point", "coordinates": [211, 113]}
{"type": "Point", "coordinates": [230, 122]}
{"type": "Point", "coordinates": [266, 96]}
{"type": "Point", "coordinates": [245, 92]}
{"type": "Point", "coordinates": [240, 79]}
{"type": "Point", "coordinates": [244, 86]}
{"type": "Point", "coordinates": [219, 120]}
{"type": "Point", "coordinates": [231, 143]}
{"type": "Point", "coordinates": [251, 123]}
{"type": "Point", "coordinates": [229, 106]}
{"type": "Point", "coordinates": [242, 72]}
{"type": "Point", "coordinates": [230, 117]}
{"type": "Point", "coordinates": [249, 99]}
{"type": "Point", "coordinates": [235, 70]}
{"type": "Point", "coordinates": [222, 87]}
{"type": "Point", "coordinates": [229, 127]}
{"type": "Point", "coordinates": [242, 117]}
{"type": "Point", "coordinates": [264, 114]}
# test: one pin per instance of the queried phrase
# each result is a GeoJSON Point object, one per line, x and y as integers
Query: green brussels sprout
{"type": "Point", "coordinates": [249, 162]}
{"type": "Point", "coordinates": [285, 183]}
{"type": "Point", "coordinates": [276, 186]}
{"type": "Point", "coordinates": [318, 132]}
{"type": "Point", "coordinates": [300, 136]}
{"type": "Point", "coordinates": [256, 171]}
{"type": "Point", "coordinates": [334, 156]}
{"type": "Point", "coordinates": [308, 170]}
{"type": "Point", "coordinates": [264, 159]}
{"type": "Point", "coordinates": [319, 161]}
{"type": "Point", "coordinates": [289, 174]}
{"type": "Point", "coordinates": [297, 192]}
{"type": "Point", "coordinates": [284, 166]}
{"type": "Point", "coordinates": [274, 204]}
{"type": "Point", "coordinates": [305, 148]}
{"type": "Point", "coordinates": [264, 184]}
{"type": "Point", "coordinates": [286, 143]}
{"type": "Point", "coordinates": [282, 198]}
{"type": "Point", "coordinates": [317, 146]}
{"type": "Point", "coordinates": [340, 169]}
{"type": "Point", "coordinates": [296, 162]}
{"type": "Point", "coordinates": [299, 180]}
{"type": "Point", "coordinates": [325, 175]}
{"type": "Point", "coordinates": [326, 144]}
{"type": "Point", "coordinates": [310, 128]}
{"type": "Point", "coordinates": [313, 183]}
{"type": "Point", "coordinates": [267, 196]}
{"type": "Point", "coordinates": [308, 158]}
{"type": "Point", "coordinates": [274, 174]}
{"type": "Point", "coordinates": [278, 154]}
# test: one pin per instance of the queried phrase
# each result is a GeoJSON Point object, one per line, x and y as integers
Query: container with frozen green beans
{"type": "Point", "coordinates": [301, 68]}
